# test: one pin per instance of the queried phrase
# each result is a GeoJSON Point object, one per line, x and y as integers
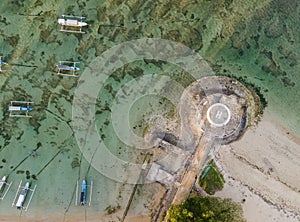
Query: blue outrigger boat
{"type": "Point", "coordinates": [83, 198]}
{"type": "Point", "coordinates": [1, 64]}
{"type": "Point", "coordinates": [17, 109]}
{"type": "Point", "coordinates": [83, 193]}
{"type": "Point", "coordinates": [67, 68]}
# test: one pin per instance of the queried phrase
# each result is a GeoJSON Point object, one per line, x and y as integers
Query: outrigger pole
{"type": "Point", "coordinates": [26, 208]}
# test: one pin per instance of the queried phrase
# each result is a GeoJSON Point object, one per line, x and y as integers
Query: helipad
{"type": "Point", "coordinates": [218, 115]}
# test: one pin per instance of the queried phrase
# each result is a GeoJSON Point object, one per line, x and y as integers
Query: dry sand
{"type": "Point", "coordinates": [263, 168]}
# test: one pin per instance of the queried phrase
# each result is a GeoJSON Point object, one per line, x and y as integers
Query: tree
{"type": "Point", "coordinates": [206, 209]}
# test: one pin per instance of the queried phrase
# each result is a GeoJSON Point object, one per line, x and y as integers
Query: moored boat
{"type": "Point", "coordinates": [2, 182]}
{"type": "Point", "coordinates": [22, 196]}
{"type": "Point", "coordinates": [71, 22]}
{"type": "Point", "coordinates": [83, 193]}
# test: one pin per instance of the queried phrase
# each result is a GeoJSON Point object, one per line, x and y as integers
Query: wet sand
{"type": "Point", "coordinates": [262, 168]}
{"type": "Point", "coordinates": [74, 218]}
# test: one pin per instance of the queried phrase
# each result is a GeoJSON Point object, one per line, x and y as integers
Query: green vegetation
{"type": "Point", "coordinates": [75, 162]}
{"type": "Point", "coordinates": [207, 209]}
{"type": "Point", "coordinates": [146, 130]}
{"type": "Point", "coordinates": [110, 209]}
{"type": "Point", "coordinates": [213, 180]}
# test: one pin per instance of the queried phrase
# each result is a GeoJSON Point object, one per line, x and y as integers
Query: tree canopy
{"type": "Point", "coordinates": [206, 209]}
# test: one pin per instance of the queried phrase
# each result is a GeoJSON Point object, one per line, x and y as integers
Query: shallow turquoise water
{"type": "Point", "coordinates": [257, 40]}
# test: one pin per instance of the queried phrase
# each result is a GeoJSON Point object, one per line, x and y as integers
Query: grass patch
{"type": "Point", "coordinates": [213, 180]}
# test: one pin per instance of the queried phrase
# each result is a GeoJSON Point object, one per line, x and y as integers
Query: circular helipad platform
{"type": "Point", "coordinates": [218, 115]}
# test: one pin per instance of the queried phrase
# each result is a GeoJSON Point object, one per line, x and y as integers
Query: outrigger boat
{"type": "Point", "coordinates": [83, 193]}
{"type": "Point", "coordinates": [1, 64]}
{"type": "Point", "coordinates": [67, 68]}
{"type": "Point", "coordinates": [2, 184]}
{"type": "Point", "coordinates": [16, 107]}
{"type": "Point", "coordinates": [23, 194]}
{"type": "Point", "coordinates": [72, 21]}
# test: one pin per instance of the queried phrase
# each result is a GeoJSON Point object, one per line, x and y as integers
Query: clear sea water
{"type": "Point", "coordinates": [257, 40]}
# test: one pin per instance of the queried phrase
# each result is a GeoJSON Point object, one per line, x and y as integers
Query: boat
{"type": "Point", "coordinates": [83, 193]}
{"type": "Point", "coordinates": [2, 182]}
{"type": "Point", "coordinates": [68, 68]}
{"type": "Point", "coordinates": [1, 64]}
{"type": "Point", "coordinates": [22, 196]}
{"type": "Point", "coordinates": [17, 109]}
{"type": "Point", "coordinates": [71, 22]}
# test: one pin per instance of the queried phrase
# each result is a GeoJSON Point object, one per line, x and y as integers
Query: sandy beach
{"type": "Point", "coordinates": [74, 218]}
{"type": "Point", "coordinates": [262, 168]}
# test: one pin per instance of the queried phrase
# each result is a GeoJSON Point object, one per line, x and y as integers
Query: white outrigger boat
{"type": "Point", "coordinates": [2, 64]}
{"type": "Point", "coordinates": [67, 68]}
{"type": "Point", "coordinates": [16, 107]}
{"type": "Point", "coordinates": [23, 194]}
{"type": "Point", "coordinates": [72, 21]}
{"type": "Point", "coordinates": [3, 182]}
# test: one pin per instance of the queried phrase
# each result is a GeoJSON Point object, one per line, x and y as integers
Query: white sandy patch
{"type": "Point", "coordinates": [263, 168]}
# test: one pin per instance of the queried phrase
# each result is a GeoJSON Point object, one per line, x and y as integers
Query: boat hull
{"type": "Point", "coordinates": [22, 196]}
{"type": "Point", "coordinates": [71, 22]}
{"type": "Point", "coordinates": [83, 193]}
{"type": "Point", "coordinates": [2, 182]}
